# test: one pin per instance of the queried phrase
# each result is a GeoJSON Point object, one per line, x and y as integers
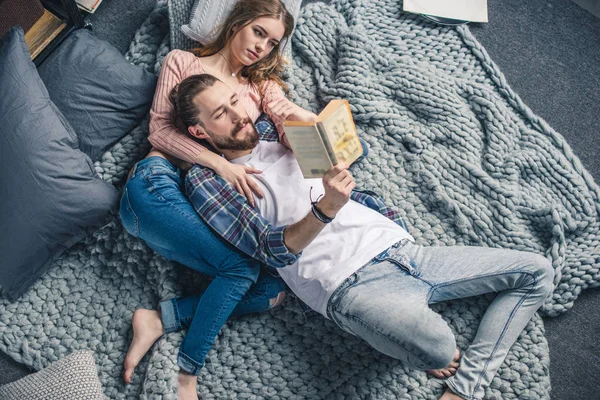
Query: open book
{"type": "Point", "coordinates": [320, 145]}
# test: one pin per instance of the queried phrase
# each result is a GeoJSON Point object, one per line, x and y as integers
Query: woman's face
{"type": "Point", "coordinates": [256, 40]}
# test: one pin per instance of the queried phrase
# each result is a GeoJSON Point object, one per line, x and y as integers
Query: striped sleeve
{"type": "Point", "coordinates": [271, 92]}
{"type": "Point", "coordinates": [373, 201]}
{"type": "Point", "coordinates": [164, 133]}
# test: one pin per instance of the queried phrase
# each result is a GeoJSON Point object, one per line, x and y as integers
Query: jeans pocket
{"type": "Point", "coordinates": [333, 305]}
{"type": "Point", "coordinates": [164, 183]}
{"type": "Point", "coordinates": [340, 319]}
{"type": "Point", "coordinates": [405, 262]}
{"type": "Point", "coordinates": [128, 217]}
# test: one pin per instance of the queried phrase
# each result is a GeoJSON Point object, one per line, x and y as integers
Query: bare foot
{"type": "Point", "coordinates": [147, 328]}
{"type": "Point", "coordinates": [449, 395]}
{"type": "Point", "coordinates": [187, 387]}
{"type": "Point", "coordinates": [449, 370]}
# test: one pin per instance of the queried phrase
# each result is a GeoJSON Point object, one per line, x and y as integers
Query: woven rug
{"type": "Point", "coordinates": [451, 147]}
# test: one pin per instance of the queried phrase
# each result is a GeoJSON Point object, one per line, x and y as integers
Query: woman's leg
{"type": "Point", "coordinates": [154, 209]}
{"type": "Point", "coordinates": [265, 294]}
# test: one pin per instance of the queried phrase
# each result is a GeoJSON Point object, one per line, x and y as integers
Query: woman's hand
{"type": "Point", "coordinates": [239, 177]}
{"type": "Point", "coordinates": [284, 110]}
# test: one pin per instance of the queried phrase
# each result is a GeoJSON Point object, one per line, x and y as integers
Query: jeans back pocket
{"type": "Point", "coordinates": [128, 217]}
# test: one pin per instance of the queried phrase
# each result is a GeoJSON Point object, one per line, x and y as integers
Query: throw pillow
{"type": "Point", "coordinates": [50, 195]}
{"type": "Point", "coordinates": [100, 93]}
{"type": "Point", "coordinates": [73, 377]}
{"type": "Point", "coordinates": [209, 15]}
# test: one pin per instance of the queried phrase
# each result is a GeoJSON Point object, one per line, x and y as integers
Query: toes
{"type": "Point", "coordinates": [128, 371]}
{"type": "Point", "coordinates": [456, 355]}
{"type": "Point", "coordinates": [447, 373]}
{"type": "Point", "coordinates": [442, 373]}
{"type": "Point", "coordinates": [437, 373]}
{"type": "Point", "coordinates": [128, 376]}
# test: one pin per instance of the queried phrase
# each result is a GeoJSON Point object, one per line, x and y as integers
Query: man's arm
{"type": "Point", "coordinates": [228, 213]}
{"type": "Point", "coordinates": [338, 183]}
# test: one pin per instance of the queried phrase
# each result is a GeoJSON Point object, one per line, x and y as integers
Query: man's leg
{"type": "Point", "coordinates": [522, 280]}
{"type": "Point", "coordinates": [387, 307]}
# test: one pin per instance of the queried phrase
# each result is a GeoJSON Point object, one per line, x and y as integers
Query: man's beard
{"type": "Point", "coordinates": [233, 142]}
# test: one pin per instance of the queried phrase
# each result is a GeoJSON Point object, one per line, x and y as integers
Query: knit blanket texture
{"type": "Point", "coordinates": [452, 148]}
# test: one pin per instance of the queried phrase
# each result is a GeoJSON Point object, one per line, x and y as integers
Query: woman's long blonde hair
{"type": "Point", "coordinates": [243, 13]}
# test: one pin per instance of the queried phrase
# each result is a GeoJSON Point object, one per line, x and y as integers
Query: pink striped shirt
{"type": "Point", "coordinates": [164, 134]}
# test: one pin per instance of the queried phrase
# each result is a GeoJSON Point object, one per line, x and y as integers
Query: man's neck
{"type": "Point", "coordinates": [233, 154]}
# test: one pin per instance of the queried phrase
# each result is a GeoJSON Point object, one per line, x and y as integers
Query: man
{"type": "Point", "coordinates": [351, 258]}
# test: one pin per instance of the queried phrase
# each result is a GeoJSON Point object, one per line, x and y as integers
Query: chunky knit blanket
{"type": "Point", "coordinates": [452, 147]}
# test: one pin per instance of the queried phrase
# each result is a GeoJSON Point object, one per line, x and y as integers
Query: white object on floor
{"type": "Point", "coordinates": [467, 10]}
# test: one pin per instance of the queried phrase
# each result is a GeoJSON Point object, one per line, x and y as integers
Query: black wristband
{"type": "Point", "coordinates": [319, 214]}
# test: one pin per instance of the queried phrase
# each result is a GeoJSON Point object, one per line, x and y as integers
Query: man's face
{"type": "Point", "coordinates": [225, 120]}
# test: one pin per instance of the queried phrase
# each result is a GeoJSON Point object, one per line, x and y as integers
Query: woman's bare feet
{"type": "Point", "coordinates": [449, 370]}
{"type": "Point", "coordinates": [449, 395]}
{"type": "Point", "coordinates": [187, 387]}
{"type": "Point", "coordinates": [147, 328]}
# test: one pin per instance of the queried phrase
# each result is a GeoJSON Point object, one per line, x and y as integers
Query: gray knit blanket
{"type": "Point", "coordinates": [452, 148]}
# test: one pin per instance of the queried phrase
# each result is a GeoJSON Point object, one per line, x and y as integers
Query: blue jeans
{"type": "Point", "coordinates": [155, 209]}
{"type": "Point", "coordinates": [386, 303]}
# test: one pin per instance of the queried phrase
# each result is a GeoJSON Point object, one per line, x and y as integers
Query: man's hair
{"type": "Point", "coordinates": [182, 96]}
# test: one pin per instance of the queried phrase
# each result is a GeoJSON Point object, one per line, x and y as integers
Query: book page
{"type": "Point", "coordinates": [308, 149]}
{"type": "Point", "coordinates": [341, 134]}
{"type": "Point", "coordinates": [466, 10]}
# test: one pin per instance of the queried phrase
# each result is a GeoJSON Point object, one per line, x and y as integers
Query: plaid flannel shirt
{"type": "Point", "coordinates": [229, 214]}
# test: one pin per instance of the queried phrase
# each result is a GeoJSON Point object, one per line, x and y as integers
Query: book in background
{"type": "Point", "coordinates": [458, 10]}
{"type": "Point", "coordinates": [88, 5]}
{"type": "Point", "coordinates": [330, 140]}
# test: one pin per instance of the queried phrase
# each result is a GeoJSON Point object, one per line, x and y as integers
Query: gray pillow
{"type": "Point", "coordinates": [100, 93]}
{"type": "Point", "coordinates": [73, 377]}
{"type": "Point", "coordinates": [209, 15]}
{"type": "Point", "coordinates": [50, 195]}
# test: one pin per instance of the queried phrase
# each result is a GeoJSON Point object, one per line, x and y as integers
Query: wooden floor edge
{"type": "Point", "coordinates": [43, 32]}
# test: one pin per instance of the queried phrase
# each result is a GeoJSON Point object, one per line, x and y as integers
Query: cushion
{"type": "Point", "coordinates": [100, 93]}
{"type": "Point", "coordinates": [73, 377]}
{"type": "Point", "coordinates": [50, 195]}
{"type": "Point", "coordinates": [208, 16]}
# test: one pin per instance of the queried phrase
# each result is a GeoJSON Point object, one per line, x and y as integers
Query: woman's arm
{"type": "Point", "coordinates": [164, 132]}
{"type": "Point", "coordinates": [280, 109]}
{"type": "Point", "coordinates": [168, 138]}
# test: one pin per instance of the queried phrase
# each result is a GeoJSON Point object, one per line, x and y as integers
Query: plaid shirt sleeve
{"type": "Point", "coordinates": [370, 199]}
{"type": "Point", "coordinates": [228, 213]}
{"type": "Point", "coordinates": [266, 129]}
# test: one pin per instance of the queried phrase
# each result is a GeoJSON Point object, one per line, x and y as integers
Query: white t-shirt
{"type": "Point", "coordinates": [356, 235]}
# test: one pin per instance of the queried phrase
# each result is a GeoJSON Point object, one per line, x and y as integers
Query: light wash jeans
{"type": "Point", "coordinates": [154, 209]}
{"type": "Point", "coordinates": [386, 303]}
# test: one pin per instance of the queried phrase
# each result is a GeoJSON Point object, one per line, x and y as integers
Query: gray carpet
{"type": "Point", "coordinates": [564, 89]}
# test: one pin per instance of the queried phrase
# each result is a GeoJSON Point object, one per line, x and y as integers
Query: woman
{"type": "Point", "coordinates": [245, 56]}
